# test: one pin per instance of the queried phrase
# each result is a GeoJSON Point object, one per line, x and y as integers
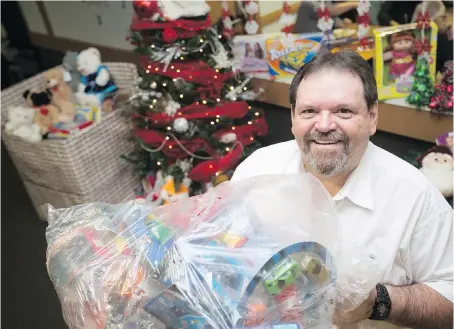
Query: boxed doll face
{"type": "Point", "coordinates": [396, 56]}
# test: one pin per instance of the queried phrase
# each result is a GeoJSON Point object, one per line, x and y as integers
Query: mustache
{"type": "Point", "coordinates": [329, 136]}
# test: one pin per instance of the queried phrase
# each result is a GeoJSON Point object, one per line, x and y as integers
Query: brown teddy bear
{"type": "Point", "coordinates": [47, 115]}
{"type": "Point", "coordinates": [61, 93]}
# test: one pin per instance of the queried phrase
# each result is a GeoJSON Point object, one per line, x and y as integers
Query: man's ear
{"type": "Point", "coordinates": [373, 116]}
{"type": "Point", "coordinates": [292, 112]}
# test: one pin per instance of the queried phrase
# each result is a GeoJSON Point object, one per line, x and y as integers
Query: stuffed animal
{"type": "Point", "coordinates": [61, 94]}
{"type": "Point", "coordinates": [437, 166]}
{"type": "Point", "coordinates": [169, 192]}
{"type": "Point", "coordinates": [21, 124]}
{"type": "Point", "coordinates": [47, 115]}
{"type": "Point", "coordinates": [72, 75]}
{"type": "Point", "coordinates": [96, 82]}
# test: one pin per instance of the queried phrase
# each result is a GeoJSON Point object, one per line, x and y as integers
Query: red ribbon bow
{"type": "Point", "coordinates": [323, 13]}
{"type": "Point", "coordinates": [422, 46]}
{"type": "Point", "coordinates": [423, 20]}
{"type": "Point", "coordinates": [363, 19]}
{"type": "Point", "coordinates": [42, 109]}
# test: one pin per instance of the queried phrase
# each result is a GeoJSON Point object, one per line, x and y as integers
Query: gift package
{"type": "Point", "coordinates": [233, 257]}
{"type": "Point", "coordinates": [395, 58]}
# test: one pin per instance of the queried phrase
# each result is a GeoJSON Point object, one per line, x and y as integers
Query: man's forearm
{"type": "Point", "coordinates": [419, 306]}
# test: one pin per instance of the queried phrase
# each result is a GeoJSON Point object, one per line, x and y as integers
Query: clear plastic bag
{"type": "Point", "coordinates": [260, 252]}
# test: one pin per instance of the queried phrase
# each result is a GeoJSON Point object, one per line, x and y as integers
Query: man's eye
{"type": "Point", "coordinates": [344, 111]}
{"type": "Point", "coordinates": [308, 111]}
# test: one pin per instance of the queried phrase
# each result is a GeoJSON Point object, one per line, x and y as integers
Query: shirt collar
{"type": "Point", "coordinates": [358, 188]}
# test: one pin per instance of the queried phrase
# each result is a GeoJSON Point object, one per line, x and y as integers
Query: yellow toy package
{"type": "Point", "coordinates": [287, 53]}
{"type": "Point", "coordinates": [395, 58]}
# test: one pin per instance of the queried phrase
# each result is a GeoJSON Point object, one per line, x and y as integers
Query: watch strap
{"type": "Point", "coordinates": [382, 306]}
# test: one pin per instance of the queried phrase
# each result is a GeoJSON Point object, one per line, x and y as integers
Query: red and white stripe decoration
{"type": "Point", "coordinates": [287, 19]}
{"type": "Point", "coordinates": [252, 8]}
{"type": "Point", "coordinates": [226, 20]}
{"type": "Point", "coordinates": [363, 21]}
{"type": "Point", "coordinates": [325, 22]}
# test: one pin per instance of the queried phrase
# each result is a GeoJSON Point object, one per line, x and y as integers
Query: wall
{"type": "Point", "coordinates": [267, 7]}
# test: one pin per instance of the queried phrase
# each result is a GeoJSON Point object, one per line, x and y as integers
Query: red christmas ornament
{"type": "Point", "coordinates": [169, 35]}
{"type": "Point", "coordinates": [449, 88]}
{"type": "Point", "coordinates": [450, 104]}
{"type": "Point", "coordinates": [145, 9]}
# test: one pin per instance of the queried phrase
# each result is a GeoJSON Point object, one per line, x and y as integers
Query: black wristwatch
{"type": "Point", "coordinates": [382, 306]}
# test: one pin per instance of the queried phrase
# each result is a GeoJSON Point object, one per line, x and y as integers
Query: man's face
{"type": "Point", "coordinates": [331, 122]}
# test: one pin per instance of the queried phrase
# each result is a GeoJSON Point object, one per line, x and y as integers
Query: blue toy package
{"type": "Point", "coordinates": [235, 257]}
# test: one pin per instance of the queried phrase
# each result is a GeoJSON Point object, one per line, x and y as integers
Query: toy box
{"type": "Point", "coordinates": [250, 53]}
{"type": "Point", "coordinates": [287, 53]}
{"type": "Point", "coordinates": [395, 58]}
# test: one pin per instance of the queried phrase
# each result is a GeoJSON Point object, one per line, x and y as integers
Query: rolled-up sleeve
{"type": "Point", "coordinates": [431, 249]}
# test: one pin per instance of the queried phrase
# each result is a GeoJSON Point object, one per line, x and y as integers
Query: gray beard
{"type": "Point", "coordinates": [326, 163]}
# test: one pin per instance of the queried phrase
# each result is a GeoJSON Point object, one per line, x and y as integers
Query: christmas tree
{"type": "Point", "coordinates": [422, 88]}
{"type": "Point", "coordinates": [442, 100]}
{"type": "Point", "coordinates": [191, 119]}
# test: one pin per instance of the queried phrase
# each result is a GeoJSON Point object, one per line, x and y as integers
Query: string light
{"type": "Point", "coordinates": [147, 71]}
{"type": "Point", "coordinates": [249, 123]}
{"type": "Point", "coordinates": [211, 166]}
{"type": "Point", "coordinates": [156, 69]}
{"type": "Point", "coordinates": [227, 149]}
{"type": "Point", "coordinates": [215, 76]}
{"type": "Point", "coordinates": [250, 108]}
{"type": "Point", "coordinates": [233, 128]}
{"type": "Point", "coordinates": [169, 128]}
{"type": "Point", "coordinates": [217, 70]}
{"type": "Point", "coordinates": [252, 138]}
{"type": "Point", "coordinates": [204, 101]}
{"type": "Point", "coordinates": [212, 122]}
{"type": "Point", "coordinates": [257, 114]}
{"type": "Point", "coordinates": [218, 99]}
{"type": "Point", "coordinates": [181, 95]}
{"type": "Point", "coordinates": [174, 79]}
{"type": "Point", "coordinates": [183, 48]}
{"type": "Point", "coordinates": [234, 99]}
{"type": "Point", "coordinates": [231, 88]}
{"type": "Point", "coordinates": [158, 163]}
{"type": "Point", "coordinates": [178, 70]}
{"type": "Point", "coordinates": [217, 173]}
{"type": "Point", "coordinates": [155, 101]}
{"type": "Point", "coordinates": [201, 50]}
{"type": "Point", "coordinates": [179, 113]}
{"type": "Point", "coordinates": [167, 137]}
{"type": "Point", "coordinates": [201, 40]}
{"type": "Point", "coordinates": [218, 116]}
{"type": "Point", "coordinates": [151, 106]}
{"type": "Point", "coordinates": [149, 66]}
{"type": "Point", "coordinates": [170, 146]}
{"type": "Point", "coordinates": [220, 36]}
{"type": "Point", "coordinates": [164, 84]}
{"type": "Point", "coordinates": [217, 120]}
{"type": "Point", "coordinates": [181, 57]}
{"type": "Point", "coordinates": [172, 67]}
{"type": "Point", "coordinates": [152, 46]}
{"type": "Point", "coordinates": [244, 88]}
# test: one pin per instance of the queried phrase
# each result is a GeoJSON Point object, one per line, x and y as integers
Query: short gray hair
{"type": "Point", "coordinates": [346, 60]}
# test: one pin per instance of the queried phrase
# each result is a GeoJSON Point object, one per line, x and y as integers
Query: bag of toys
{"type": "Point", "coordinates": [257, 253]}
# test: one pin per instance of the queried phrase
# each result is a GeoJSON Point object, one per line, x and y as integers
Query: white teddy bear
{"type": "Point", "coordinates": [21, 124]}
{"type": "Point", "coordinates": [438, 168]}
{"type": "Point", "coordinates": [95, 80]}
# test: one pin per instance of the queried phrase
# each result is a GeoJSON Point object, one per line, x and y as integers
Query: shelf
{"type": "Point", "coordinates": [395, 116]}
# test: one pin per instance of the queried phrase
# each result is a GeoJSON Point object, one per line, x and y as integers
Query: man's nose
{"type": "Point", "coordinates": [325, 122]}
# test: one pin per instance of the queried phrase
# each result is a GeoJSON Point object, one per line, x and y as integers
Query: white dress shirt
{"type": "Point", "coordinates": [387, 208]}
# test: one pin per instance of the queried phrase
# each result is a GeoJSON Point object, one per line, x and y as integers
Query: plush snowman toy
{"type": "Point", "coordinates": [96, 82]}
{"type": "Point", "coordinates": [437, 166]}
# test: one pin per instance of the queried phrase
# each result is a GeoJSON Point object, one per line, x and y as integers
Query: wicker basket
{"type": "Point", "coordinates": [87, 166]}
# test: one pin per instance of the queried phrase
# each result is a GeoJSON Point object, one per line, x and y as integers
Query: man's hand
{"type": "Point", "coordinates": [363, 312]}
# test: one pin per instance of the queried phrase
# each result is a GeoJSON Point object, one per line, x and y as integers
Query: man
{"type": "Point", "coordinates": [386, 207]}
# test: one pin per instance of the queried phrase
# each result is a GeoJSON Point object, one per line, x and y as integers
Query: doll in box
{"type": "Point", "coordinates": [401, 55]}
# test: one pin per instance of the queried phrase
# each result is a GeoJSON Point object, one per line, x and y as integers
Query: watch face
{"type": "Point", "coordinates": [382, 310]}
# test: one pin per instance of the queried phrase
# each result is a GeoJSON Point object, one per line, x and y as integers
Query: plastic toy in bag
{"type": "Point", "coordinates": [257, 253]}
